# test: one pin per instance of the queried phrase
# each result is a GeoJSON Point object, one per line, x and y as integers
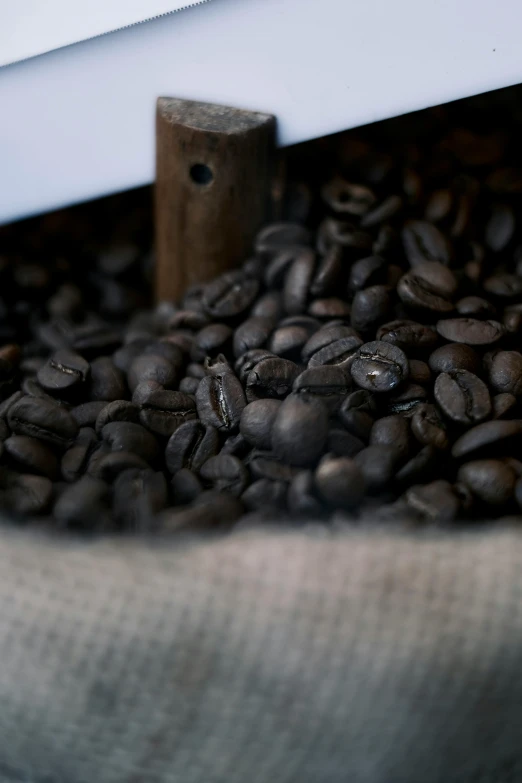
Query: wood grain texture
{"type": "Point", "coordinates": [213, 178]}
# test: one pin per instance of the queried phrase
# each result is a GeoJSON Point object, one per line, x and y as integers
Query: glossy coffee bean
{"type": "Point", "coordinates": [340, 482]}
{"type": "Point", "coordinates": [272, 377]}
{"type": "Point", "coordinates": [455, 356]}
{"type": "Point", "coordinates": [490, 481]}
{"type": "Point", "coordinates": [190, 446]}
{"type": "Point", "coordinates": [42, 419]}
{"type": "Point", "coordinates": [470, 331]}
{"type": "Point", "coordinates": [379, 367]}
{"type": "Point", "coordinates": [229, 295]}
{"type": "Point", "coordinates": [414, 338]}
{"type": "Point", "coordinates": [299, 430]}
{"type": "Point", "coordinates": [328, 383]}
{"type": "Point", "coordinates": [164, 411]}
{"type": "Point", "coordinates": [462, 397]}
{"type": "Point", "coordinates": [220, 400]}
{"type": "Point", "coordinates": [64, 371]}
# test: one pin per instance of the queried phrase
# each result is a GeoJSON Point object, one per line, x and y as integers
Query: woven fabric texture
{"type": "Point", "coordinates": [264, 656]}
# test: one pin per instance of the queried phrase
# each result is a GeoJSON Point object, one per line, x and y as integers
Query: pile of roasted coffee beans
{"type": "Point", "coordinates": [366, 360]}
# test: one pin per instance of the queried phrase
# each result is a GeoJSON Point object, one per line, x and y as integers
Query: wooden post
{"type": "Point", "coordinates": [213, 178]}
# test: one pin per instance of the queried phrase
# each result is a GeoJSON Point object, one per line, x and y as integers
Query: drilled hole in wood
{"type": "Point", "coordinates": [201, 174]}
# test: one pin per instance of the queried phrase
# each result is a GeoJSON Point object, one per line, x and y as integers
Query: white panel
{"type": "Point", "coordinates": [79, 122]}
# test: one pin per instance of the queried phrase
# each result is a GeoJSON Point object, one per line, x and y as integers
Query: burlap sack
{"type": "Point", "coordinates": [264, 656]}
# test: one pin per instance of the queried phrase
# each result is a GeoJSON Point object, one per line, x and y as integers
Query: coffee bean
{"type": "Point", "coordinates": [138, 495]}
{"type": "Point", "coordinates": [299, 430]}
{"type": "Point", "coordinates": [343, 443]}
{"type": "Point", "coordinates": [503, 405]}
{"type": "Point", "coordinates": [148, 367]}
{"type": "Point", "coordinates": [211, 340]}
{"type": "Point", "coordinates": [287, 341]}
{"type": "Point", "coordinates": [86, 413]}
{"type": "Point", "coordinates": [143, 390]}
{"type": "Point", "coordinates": [435, 502]}
{"type": "Point", "coordinates": [421, 467]}
{"type": "Point", "coordinates": [327, 382]}
{"type": "Point", "coordinates": [162, 412]}
{"type": "Point", "coordinates": [270, 306]}
{"type": "Point", "coordinates": [454, 356]}
{"type": "Point", "coordinates": [225, 473]}
{"type": "Point", "coordinates": [340, 482]}
{"type": "Point", "coordinates": [26, 494]}
{"type": "Point", "coordinates": [422, 241]}
{"type": "Point", "coordinates": [252, 333]}
{"type": "Point", "coordinates": [7, 404]}
{"type": "Point", "coordinates": [409, 336]}
{"type": "Point", "coordinates": [475, 306]}
{"type": "Point", "coordinates": [505, 372]}
{"type": "Point", "coordinates": [329, 273]}
{"type": "Point", "coordinates": [229, 295]}
{"type": "Point", "coordinates": [220, 400]}
{"type": "Point", "coordinates": [367, 272]}
{"type": "Point", "coordinates": [470, 331]}
{"type": "Point", "coordinates": [298, 280]}
{"type": "Point", "coordinates": [129, 436]}
{"type": "Point", "coordinates": [235, 445]}
{"type": "Point", "coordinates": [419, 371]}
{"type": "Point", "coordinates": [265, 495]}
{"type": "Point", "coordinates": [485, 436]}
{"type": "Point", "coordinates": [244, 364]}
{"type": "Point", "coordinates": [462, 396]}
{"type": "Point", "coordinates": [109, 466]}
{"type": "Point", "coordinates": [41, 419]}
{"type": "Point", "coordinates": [123, 357]}
{"type": "Point", "coordinates": [30, 455]}
{"type": "Point", "coordinates": [118, 410]}
{"type": "Point", "coordinates": [257, 420]}
{"type": "Point", "coordinates": [106, 381]}
{"type": "Point", "coordinates": [185, 486]}
{"type": "Point", "coordinates": [500, 227]}
{"type": "Point", "coordinates": [265, 464]}
{"type": "Point", "coordinates": [490, 480]}
{"type": "Point", "coordinates": [379, 367]}
{"type": "Point", "coordinates": [277, 235]}
{"type": "Point", "coordinates": [346, 197]}
{"type": "Point", "coordinates": [370, 307]}
{"type": "Point", "coordinates": [76, 459]}
{"type": "Point", "coordinates": [428, 428]}
{"type": "Point", "coordinates": [386, 210]}
{"type": "Point", "coordinates": [64, 371]}
{"type": "Point", "coordinates": [429, 286]}
{"type": "Point", "coordinates": [83, 504]}
{"type": "Point", "coordinates": [190, 446]}
{"type": "Point", "coordinates": [301, 497]}
{"type": "Point", "coordinates": [393, 431]}
{"type": "Point", "coordinates": [271, 378]}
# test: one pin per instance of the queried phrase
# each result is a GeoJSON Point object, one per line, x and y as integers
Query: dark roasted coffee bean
{"type": "Point", "coordinates": [500, 228]}
{"type": "Point", "coordinates": [137, 496]}
{"type": "Point", "coordinates": [185, 486]}
{"type": "Point", "coordinates": [275, 236]}
{"type": "Point", "coordinates": [505, 372]}
{"type": "Point", "coordinates": [195, 370]}
{"type": "Point", "coordinates": [410, 336]}
{"type": "Point", "coordinates": [298, 280]}
{"type": "Point", "coordinates": [271, 378]}
{"type": "Point", "coordinates": [329, 273]}
{"type": "Point", "coordinates": [327, 383]}
{"type": "Point", "coordinates": [109, 466]}
{"type": "Point", "coordinates": [76, 459]}
{"type": "Point", "coordinates": [86, 414]}
{"type": "Point", "coordinates": [235, 445]}
{"type": "Point", "coordinates": [42, 419]}
{"type": "Point", "coordinates": [386, 210]}
{"type": "Point", "coordinates": [83, 504]}
{"type": "Point", "coordinates": [118, 410]}
{"type": "Point", "coordinates": [63, 372]}
{"type": "Point", "coordinates": [229, 295]}
{"type": "Point", "coordinates": [420, 467]}
{"type": "Point", "coordinates": [189, 386]}
{"type": "Point", "coordinates": [220, 400]}
{"type": "Point", "coordinates": [125, 355]}
{"type": "Point", "coordinates": [455, 356]}
{"type": "Point", "coordinates": [342, 443]}
{"type": "Point", "coordinates": [162, 412]}
{"type": "Point", "coordinates": [475, 306]}
{"type": "Point", "coordinates": [422, 241]}
{"type": "Point", "coordinates": [339, 352]}
{"type": "Point", "coordinates": [503, 405]}
{"type": "Point", "coordinates": [419, 371]}
{"type": "Point", "coordinates": [287, 342]}
{"type": "Point", "coordinates": [393, 431]}
{"type": "Point", "coordinates": [487, 435]}
{"type": "Point", "coordinates": [270, 306]}
{"type": "Point", "coordinates": [340, 482]}
{"type": "Point", "coordinates": [470, 331]}
{"type": "Point", "coordinates": [190, 446]}
{"type": "Point", "coordinates": [249, 360]}
{"type": "Point", "coordinates": [428, 428]}
{"type": "Point", "coordinates": [257, 420]}
{"type": "Point", "coordinates": [326, 336]}
{"type": "Point", "coordinates": [225, 473]}
{"type": "Point", "coordinates": [299, 430]}
{"type": "Point", "coordinates": [4, 431]}
{"type": "Point", "coordinates": [406, 401]}
{"type": "Point", "coordinates": [211, 340]}
{"type": "Point", "coordinates": [188, 319]}
{"type": "Point", "coordinates": [281, 262]}
{"type": "Point", "coordinates": [167, 349]}
{"type": "Point", "coordinates": [265, 464]}
{"type": "Point", "coordinates": [429, 286]}
{"type": "Point", "coordinates": [302, 498]}
{"type": "Point", "coordinates": [348, 198]}
{"type": "Point", "coordinates": [435, 502]}
{"type": "Point", "coordinates": [329, 307]}
{"type": "Point", "coordinates": [379, 367]}
{"type": "Point", "coordinates": [341, 232]}
{"type": "Point", "coordinates": [370, 306]}
{"type": "Point", "coordinates": [265, 495]}
{"type": "Point", "coordinates": [462, 396]}
{"type": "Point", "coordinates": [252, 333]}
{"type": "Point", "coordinates": [143, 390]}
{"type": "Point", "coordinates": [490, 480]}
{"type": "Point", "coordinates": [367, 272]}
{"type": "Point", "coordinates": [148, 367]}
{"type": "Point", "coordinates": [209, 510]}
{"type": "Point", "coordinates": [106, 381]}
{"type": "Point", "coordinates": [439, 205]}
{"type": "Point", "coordinates": [30, 455]}
{"type": "Point", "coordinates": [26, 494]}
{"type": "Point", "coordinates": [129, 436]}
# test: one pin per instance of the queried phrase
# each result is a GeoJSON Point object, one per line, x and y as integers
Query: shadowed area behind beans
{"type": "Point", "coordinates": [364, 362]}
